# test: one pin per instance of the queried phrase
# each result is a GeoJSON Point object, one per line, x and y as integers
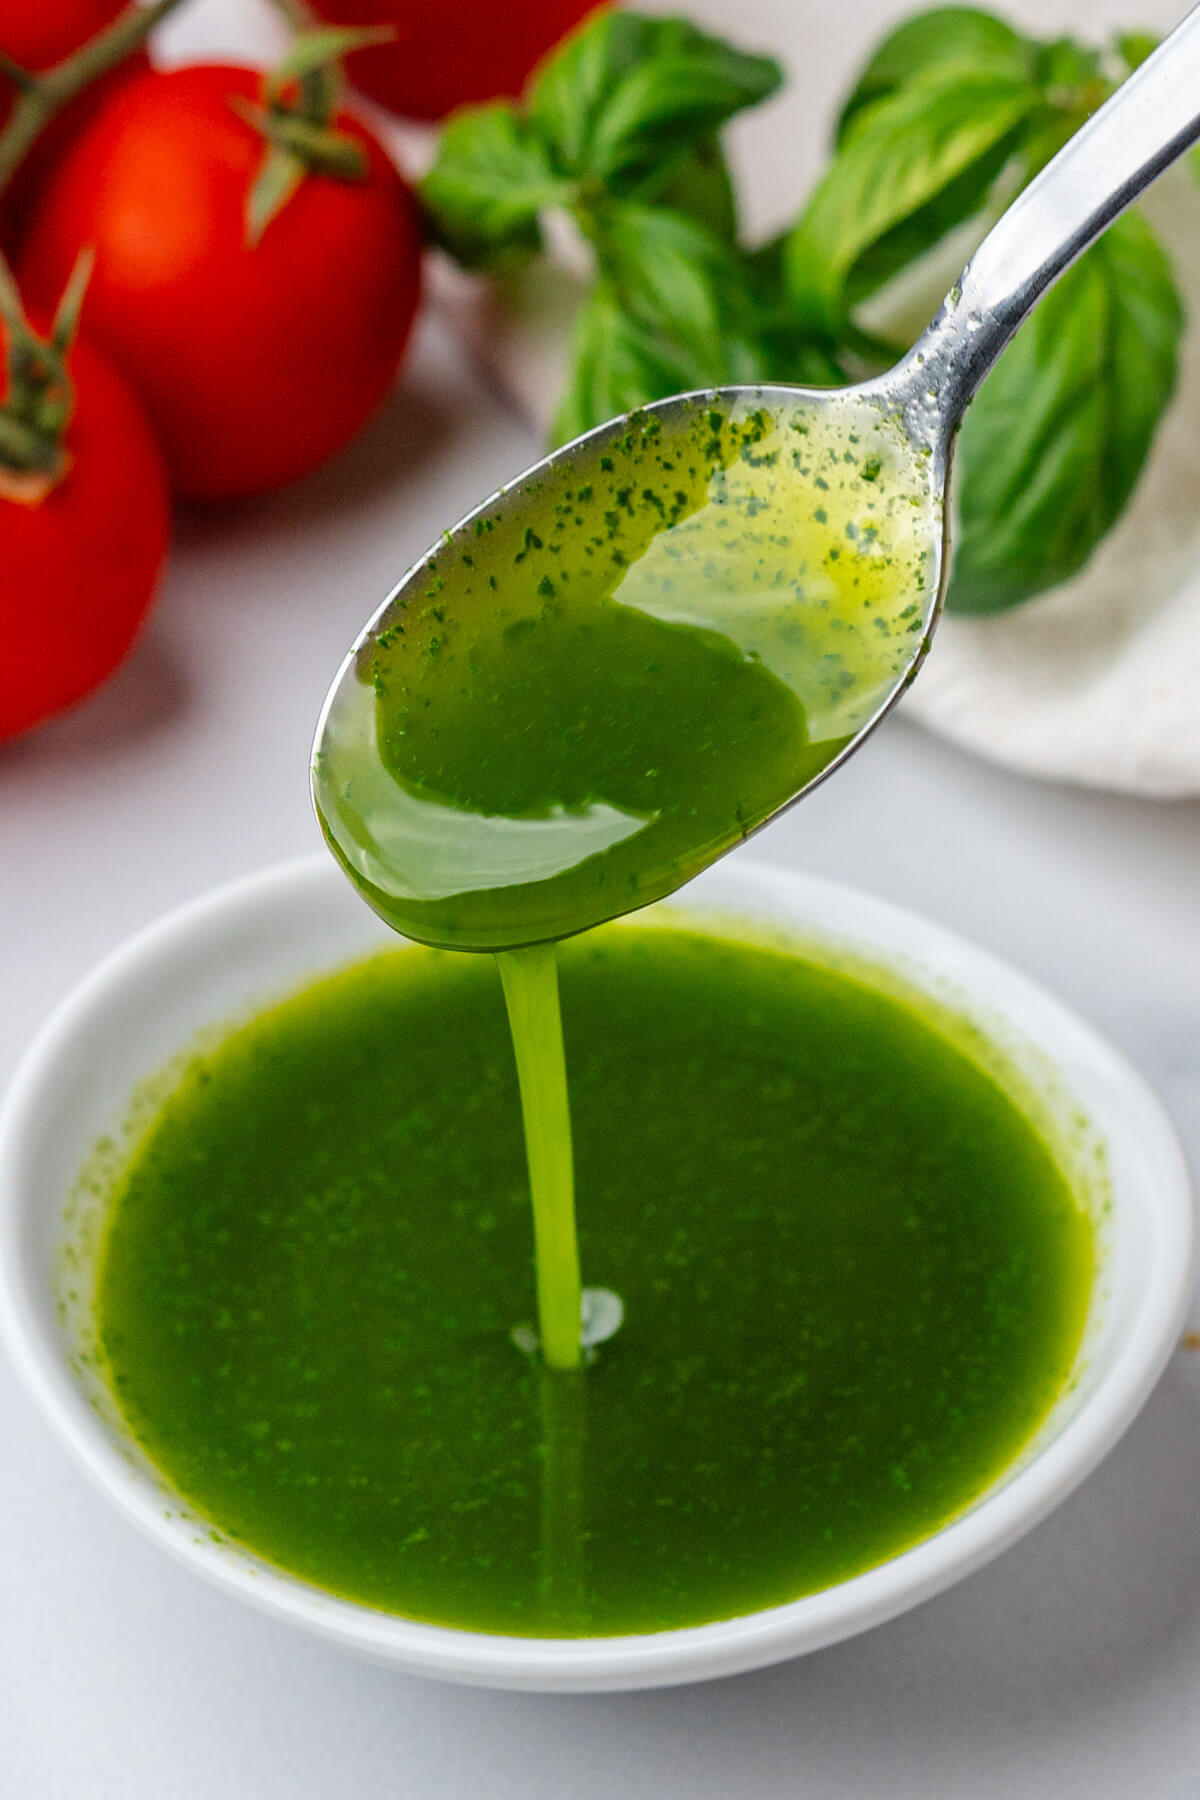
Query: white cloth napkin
{"type": "Point", "coordinates": [1096, 682]}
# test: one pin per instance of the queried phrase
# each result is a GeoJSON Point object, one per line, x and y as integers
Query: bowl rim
{"type": "Point", "coordinates": [650, 1659]}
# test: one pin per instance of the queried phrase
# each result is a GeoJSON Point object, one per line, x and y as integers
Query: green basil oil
{"type": "Point", "coordinates": [854, 1279]}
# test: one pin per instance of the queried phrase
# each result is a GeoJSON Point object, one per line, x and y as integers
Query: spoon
{"type": "Point", "coordinates": [665, 633]}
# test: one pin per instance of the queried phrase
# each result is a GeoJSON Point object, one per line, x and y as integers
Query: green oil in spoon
{"type": "Point", "coordinates": [598, 686]}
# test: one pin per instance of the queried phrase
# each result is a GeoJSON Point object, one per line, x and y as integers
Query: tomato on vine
{"type": "Point", "coordinates": [84, 515]}
{"type": "Point", "coordinates": [257, 263]}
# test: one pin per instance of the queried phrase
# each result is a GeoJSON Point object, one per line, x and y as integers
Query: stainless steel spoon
{"type": "Point", "coordinates": [464, 868]}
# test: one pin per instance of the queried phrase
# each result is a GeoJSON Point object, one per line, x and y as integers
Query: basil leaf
{"type": "Point", "coordinates": [679, 278]}
{"type": "Point", "coordinates": [960, 200]}
{"type": "Point", "coordinates": [617, 364]}
{"type": "Point", "coordinates": [921, 160]}
{"type": "Point", "coordinates": [489, 182]}
{"type": "Point", "coordinates": [1073, 84]}
{"type": "Point", "coordinates": [791, 356]}
{"type": "Point", "coordinates": [675, 308]}
{"type": "Point", "coordinates": [789, 352]}
{"type": "Point", "coordinates": [1133, 47]}
{"type": "Point", "coordinates": [1065, 69]}
{"type": "Point", "coordinates": [1054, 444]}
{"type": "Point", "coordinates": [625, 94]}
{"type": "Point", "coordinates": [699, 184]}
{"type": "Point", "coordinates": [947, 34]}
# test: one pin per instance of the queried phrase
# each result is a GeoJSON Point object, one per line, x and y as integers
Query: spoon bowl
{"type": "Point", "coordinates": [630, 659]}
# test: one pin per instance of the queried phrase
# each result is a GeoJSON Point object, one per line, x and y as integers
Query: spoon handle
{"type": "Point", "coordinates": [1150, 121]}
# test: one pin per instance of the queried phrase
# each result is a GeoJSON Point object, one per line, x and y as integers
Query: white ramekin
{"type": "Point", "coordinates": [216, 959]}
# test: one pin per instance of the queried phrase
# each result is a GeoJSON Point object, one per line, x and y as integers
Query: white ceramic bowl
{"type": "Point", "coordinates": [216, 959]}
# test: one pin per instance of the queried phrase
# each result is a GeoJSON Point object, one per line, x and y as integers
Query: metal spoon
{"type": "Point", "coordinates": [450, 853]}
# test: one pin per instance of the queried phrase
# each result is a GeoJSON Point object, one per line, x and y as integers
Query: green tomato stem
{"type": "Point", "coordinates": [39, 395]}
{"type": "Point", "coordinates": [316, 147]}
{"type": "Point", "coordinates": [12, 71]}
{"type": "Point", "coordinates": [299, 129]}
{"type": "Point", "coordinates": [42, 95]}
{"type": "Point", "coordinates": [11, 310]}
{"type": "Point", "coordinates": [530, 978]}
{"type": "Point", "coordinates": [23, 450]}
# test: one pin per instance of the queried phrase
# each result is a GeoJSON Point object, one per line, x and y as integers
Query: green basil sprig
{"type": "Point", "coordinates": [625, 109]}
{"type": "Point", "coordinates": [947, 36]}
{"type": "Point", "coordinates": [489, 187]}
{"type": "Point", "coordinates": [626, 96]}
{"type": "Point", "coordinates": [910, 167]}
{"type": "Point", "coordinates": [1053, 445]}
{"type": "Point", "coordinates": [954, 110]}
{"type": "Point", "coordinates": [619, 129]}
{"type": "Point", "coordinates": [673, 305]}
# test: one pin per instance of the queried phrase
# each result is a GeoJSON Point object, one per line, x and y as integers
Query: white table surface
{"type": "Point", "coordinates": [1069, 1668]}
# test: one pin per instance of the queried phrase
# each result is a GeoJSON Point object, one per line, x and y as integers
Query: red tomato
{"type": "Point", "coordinates": [81, 564]}
{"type": "Point", "coordinates": [39, 33]}
{"type": "Point", "coordinates": [256, 361]}
{"type": "Point", "coordinates": [37, 36]}
{"type": "Point", "coordinates": [450, 53]}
